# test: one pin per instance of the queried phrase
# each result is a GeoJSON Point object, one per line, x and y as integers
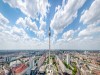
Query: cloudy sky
{"type": "Point", "coordinates": [75, 24]}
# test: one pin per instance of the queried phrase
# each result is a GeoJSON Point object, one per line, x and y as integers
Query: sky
{"type": "Point", "coordinates": [74, 24]}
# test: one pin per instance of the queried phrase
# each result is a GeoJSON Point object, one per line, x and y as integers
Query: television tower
{"type": "Point", "coordinates": [49, 33]}
{"type": "Point", "coordinates": [49, 68]}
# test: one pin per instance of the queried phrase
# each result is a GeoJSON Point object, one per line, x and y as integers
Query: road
{"type": "Point", "coordinates": [59, 68]}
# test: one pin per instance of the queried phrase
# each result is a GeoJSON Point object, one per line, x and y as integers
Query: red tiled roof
{"type": "Point", "coordinates": [19, 68]}
{"type": "Point", "coordinates": [97, 72]}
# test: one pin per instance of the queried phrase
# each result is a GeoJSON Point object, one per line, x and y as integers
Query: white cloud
{"type": "Point", "coordinates": [92, 15]}
{"type": "Point", "coordinates": [65, 15]}
{"type": "Point", "coordinates": [41, 34]}
{"type": "Point", "coordinates": [27, 22]}
{"type": "Point", "coordinates": [3, 23]}
{"type": "Point", "coordinates": [14, 38]}
{"type": "Point", "coordinates": [17, 38]}
{"type": "Point", "coordinates": [88, 37]}
{"type": "Point", "coordinates": [42, 24]}
{"type": "Point", "coordinates": [36, 44]}
{"type": "Point", "coordinates": [13, 33]}
{"type": "Point", "coordinates": [1, 28]}
{"type": "Point", "coordinates": [19, 32]}
{"type": "Point", "coordinates": [8, 32]}
{"type": "Point", "coordinates": [3, 20]}
{"type": "Point", "coordinates": [31, 24]}
{"type": "Point", "coordinates": [79, 44]}
{"type": "Point", "coordinates": [91, 18]}
{"type": "Point", "coordinates": [42, 28]}
{"type": "Point", "coordinates": [68, 35]}
{"type": "Point", "coordinates": [21, 22]}
{"type": "Point", "coordinates": [31, 8]}
{"type": "Point", "coordinates": [36, 9]}
{"type": "Point", "coordinates": [89, 31]}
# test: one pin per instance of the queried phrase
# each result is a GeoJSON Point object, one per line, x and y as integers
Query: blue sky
{"type": "Point", "coordinates": [74, 24]}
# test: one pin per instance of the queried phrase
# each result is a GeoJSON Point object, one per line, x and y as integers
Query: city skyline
{"type": "Point", "coordinates": [75, 24]}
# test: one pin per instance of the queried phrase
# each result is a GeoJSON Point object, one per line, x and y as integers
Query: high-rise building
{"type": "Point", "coordinates": [68, 59]}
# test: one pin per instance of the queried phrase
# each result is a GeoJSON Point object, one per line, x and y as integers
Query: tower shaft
{"type": "Point", "coordinates": [49, 46]}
